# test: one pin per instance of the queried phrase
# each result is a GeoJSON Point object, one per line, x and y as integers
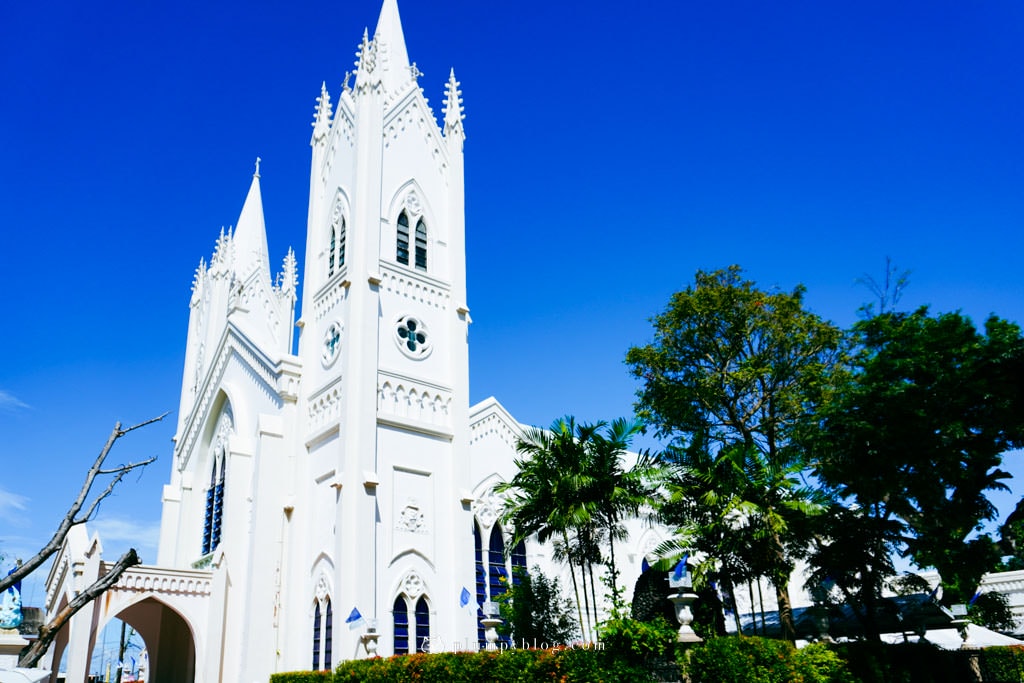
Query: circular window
{"type": "Point", "coordinates": [331, 344]}
{"type": "Point", "coordinates": [412, 337]}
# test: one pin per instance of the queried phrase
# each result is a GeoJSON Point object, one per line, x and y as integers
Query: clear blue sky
{"type": "Point", "coordinates": [613, 149]}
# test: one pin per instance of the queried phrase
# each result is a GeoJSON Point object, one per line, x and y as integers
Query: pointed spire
{"type": "Point", "coordinates": [250, 239]}
{"type": "Point", "coordinates": [391, 42]}
{"type": "Point", "coordinates": [366, 64]}
{"type": "Point", "coordinates": [453, 112]}
{"type": "Point", "coordinates": [322, 118]}
{"type": "Point", "coordinates": [288, 278]}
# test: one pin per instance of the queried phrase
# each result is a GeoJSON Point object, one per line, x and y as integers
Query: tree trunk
{"type": "Point", "coordinates": [786, 624]}
{"type": "Point", "coordinates": [30, 657]}
{"type": "Point", "coordinates": [575, 587]}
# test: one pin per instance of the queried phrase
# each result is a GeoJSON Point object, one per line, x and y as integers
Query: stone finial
{"type": "Point", "coordinates": [453, 111]}
{"type": "Point", "coordinates": [288, 278]}
{"type": "Point", "coordinates": [322, 117]}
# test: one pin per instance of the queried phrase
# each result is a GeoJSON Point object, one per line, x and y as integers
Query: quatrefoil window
{"type": "Point", "coordinates": [412, 337]}
{"type": "Point", "coordinates": [331, 344]}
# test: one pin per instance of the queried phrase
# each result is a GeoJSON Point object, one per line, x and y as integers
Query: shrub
{"type": "Point", "coordinates": [301, 677]}
{"type": "Point", "coordinates": [762, 660]}
{"type": "Point", "coordinates": [512, 666]}
{"type": "Point", "coordinates": [638, 641]}
{"type": "Point", "coordinates": [1003, 663]}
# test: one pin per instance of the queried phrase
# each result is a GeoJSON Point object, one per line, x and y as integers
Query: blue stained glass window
{"type": "Point", "coordinates": [481, 584]}
{"type": "Point", "coordinates": [328, 635]}
{"type": "Point", "coordinates": [330, 254]}
{"type": "Point", "coordinates": [316, 637]}
{"type": "Point", "coordinates": [400, 613]}
{"type": "Point", "coordinates": [518, 562]}
{"type": "Point", "coordinates": [421, 245]}
{"type": "Point", "coordinates": [341, 244]}
{"type": "Point", "coordinates": [402, 246]}
{"type": "Point", "coordinates": [422, 625]}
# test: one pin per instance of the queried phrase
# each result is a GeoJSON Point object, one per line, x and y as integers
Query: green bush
{"type": "Point", "coordinates": [512, 666]}
{"type": "Point", "coordinates": [638, 641]}
{"type": "Point", "coordinates": [301, 677]}
{"type": "Point", "coordinates": [762, 660]}
{"type": "Point", "coordinates": [1003, 664]}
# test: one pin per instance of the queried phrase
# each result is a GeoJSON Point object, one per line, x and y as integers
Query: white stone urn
{"type": "Point", "coordinates": [491, 625]}
{"type": "Point", "coordinates": [684, 615]}
{"type": "Point", "coordinates": [369, 640]}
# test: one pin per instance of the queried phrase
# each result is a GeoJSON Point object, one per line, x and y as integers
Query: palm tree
{"type": "Point", "coordinates": [613, 491]}
{"type": "Point", "coordinates": [543, 497]}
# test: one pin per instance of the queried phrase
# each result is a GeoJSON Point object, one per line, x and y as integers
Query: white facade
{"type": "Point", "coordinates": [353, 474]}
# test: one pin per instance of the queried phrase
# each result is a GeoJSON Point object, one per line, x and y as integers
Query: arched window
{"type": "Point", "coordinates": [421, 245]}
{"type": "Point", "coordinates": [402, 245]}
{"type": "Point", "coordinates": [422, 625]}
{"type": "Point", "coordinates": [496, 561]}
{"type": "Point", "coordinates": [400, 612]}
{"type": "Point", "coordinates": [323, 634]}
{"type": "Point", "coordinates": [481, 584]}
{"type": "Point", "coordinates": [317, 641]}
{"type": "Point", "coordinates": [341, 242]}
{"type": "Point", "coordinates": [330, 253]}
{"type": "Point", "coordinates": [214, 512]}
{"type": "Point", "coordinates": [518, 562]}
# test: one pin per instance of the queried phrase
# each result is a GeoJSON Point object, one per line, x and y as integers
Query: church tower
{"type": "Point", "coordinates": [385, 516]}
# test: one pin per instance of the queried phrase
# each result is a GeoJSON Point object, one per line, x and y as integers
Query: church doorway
{"type": "Point", "coordinates": [167, 652]}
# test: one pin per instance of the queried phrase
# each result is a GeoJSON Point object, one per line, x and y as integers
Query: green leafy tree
{"type": "Point", "coordinates": [731, 372]}
{"type": "Point", "coordinates": [911, 442]}
{"type": "Point", "coordinates": [536, 613]}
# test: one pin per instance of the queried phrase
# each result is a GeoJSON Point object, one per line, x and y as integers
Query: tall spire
{"type": "Point", "coordinates": [391, 43]}
{"type": "Point", "coordinates": [250, 236]}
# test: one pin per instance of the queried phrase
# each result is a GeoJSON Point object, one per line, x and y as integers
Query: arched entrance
{"type": "Point", "coordinates": [169, 640]}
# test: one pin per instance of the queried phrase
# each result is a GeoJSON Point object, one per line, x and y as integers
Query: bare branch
{"type": "Point", "coordinates": [72, 517]}
{"type": "Point", "coordinates": [49, 631]}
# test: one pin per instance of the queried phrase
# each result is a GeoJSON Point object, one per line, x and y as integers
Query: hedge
{"type": "Point", "coordinates": [566, 665]}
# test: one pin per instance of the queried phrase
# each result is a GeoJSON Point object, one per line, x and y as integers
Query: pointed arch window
{"type": "Point", "coordinates": [214, 511]}
{"type": "Point", "coordinates": [421, 245]}
{"type": "Point", "coordinates": [402, 242]}
{"type": "Point", "coordinates": [422, 625]}
{"type": "Point", "coordinates": [481, 585]}
{"type": "Point", "coordinates": [518, 559]}
{"type": "Point", "coordinates": [495, 573]}
{"type": "Point", "coordinates": [323, 634]}
{"type": "Point", "coordinates": [330, 253]}
{"type": "Point", "coordinates": [496, 560]}
{"type": "Point", "coordinates": [400, 612]}
{"type": "Point", "coordinates": [336, 248]}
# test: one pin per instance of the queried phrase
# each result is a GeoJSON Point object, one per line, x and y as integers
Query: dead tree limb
{"type": "Point", "coordinates": [30, 657]}
{"type": "Point", "coordinates": [74, 514]}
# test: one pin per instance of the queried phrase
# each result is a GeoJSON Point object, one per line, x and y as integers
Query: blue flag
{"type": "Point", "coordinates": [679, 573]}
{"type": "Point", "coordinates": [354, 619]}
{"type": "Point", "coordinates": [464, 597]}
{"type": "Point", "coordinates": [976, 596]}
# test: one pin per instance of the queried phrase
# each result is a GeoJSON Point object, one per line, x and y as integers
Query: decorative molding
{"type": "Point", "coordinates": [165, 581]}
{"type": "Point", "coordinates": [411, 518]}
{"type": "Point", "coordinates": [487, 509]}
{"type": "Point", "coordinates": [408, 400]}
{"type": "Point", "coordinates": [324, 406]}
{"type": "Point", "coordinates": [493, 425]}
{"type": "Point", "coordinates": [415, 286]}
{"type": "Point", "coordinates": [412, 585]}
{"type": "Point", "coordinates": [409, 110]}
{"type": "Point", "coordinates": [331, 294]}
{"type": "Point", "coordinates": [323, 589]}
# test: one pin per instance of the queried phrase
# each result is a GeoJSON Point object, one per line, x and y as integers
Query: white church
{"type": "Point", "coordinates": [335, 502]}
